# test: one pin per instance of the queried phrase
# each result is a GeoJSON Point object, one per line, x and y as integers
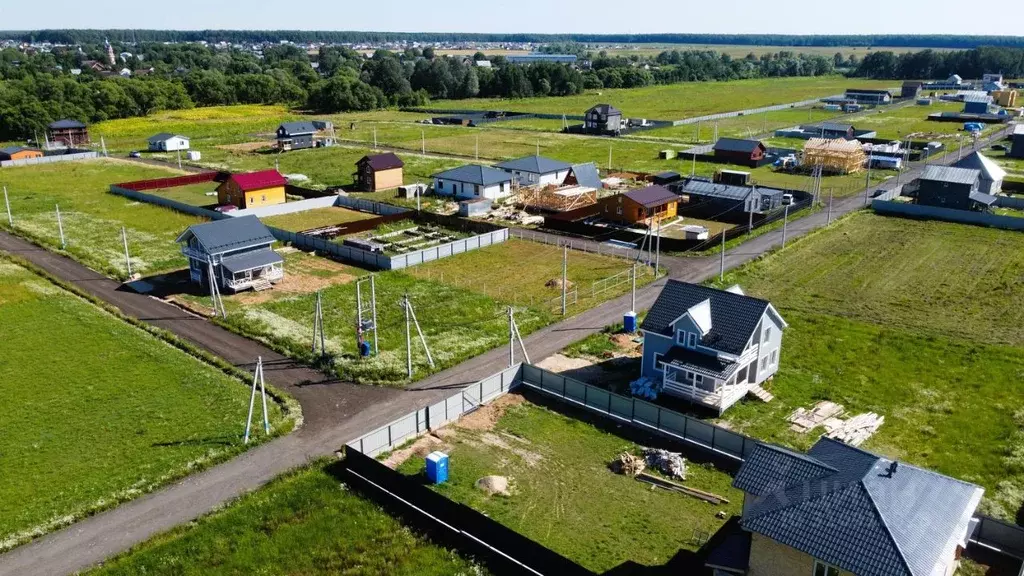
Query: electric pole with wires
{"type": "Point", "coordinates": [410, 314]}
{"type": "Point", "coordinates": [364, 324]}
{"type": "Point", "coordinates": [257, 377]}
{"type": "Point", "coordinates": [211, 277]}
{"type": "Point", "coordinates": [318, 326]}
{"type": "Point", "coordinates": [513, 337]}
{"type": "Point", "coordinates": [565, 272]}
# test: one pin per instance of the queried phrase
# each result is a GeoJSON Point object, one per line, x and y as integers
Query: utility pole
{"type": "Point", "coordinates": [785, 223]}
{"type": "Point", "coordinates": [721, 271]}
{"type": "Point", "coordinates": [632, 300]}
{"type": "Point", "coordinates": [60, 228]}
{"type": "Point", "coordinates": [829, 221]}
{"type": "Point", "coordinates": [318, 326]}
{"type": "Point", "coordinates": [408, 336]}
{"type": "Point", "coordinates": [657, 251]}
{"type": "Point", "coordinates": [698, 131]}
{"type": "Point", "coordinates": [537, 149]}
{"type": "Point", "coordinates": [960, 152]}
{"type": "Point", "coordinates": [750, 210]}
{"type": "Point", "coordinates": [7, 203]}
{"type": "Point", "coordinates": [179, 159]}
{"type": "Point", "coordinates": [513, 337]}
{"type": "Point", "coordinates": [362, 324]}
{"type": "Point", "coordinates": [693, 166]}
{"type": "Point", "coordinates": [609, 156]}
{"type": "Point", "coordinates": [476, 148]}
{"type": "Point", "coordinates": [423, 142]}
{"type": "Point", "coordinates": [128, 259]}
{"type": "Point", "coordinates": [103, 144]}
{"type": "Point", "coordinates": [374, 137]}
{"type": "Point", "coordinates": [257, 377]}
{"type": "Point", "coordinates": [565, 274]}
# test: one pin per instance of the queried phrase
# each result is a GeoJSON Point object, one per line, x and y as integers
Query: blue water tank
{"type": "Point", "coordinates": [629, 322]}
{"type": "Point", "coordinates": [437, 467]}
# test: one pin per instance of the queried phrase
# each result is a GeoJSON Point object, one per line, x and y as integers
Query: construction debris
{"type": "Point", "coordinates": [628, 464]}
{"type": "Point", "coordinates": [668, 463]}
{"type": "Point", "coordinates": [804, 420]}
{"type": "Point", "coordinates": [669, 485]}
{"type": "Point", "coordinates": [645, 388]}
{"type": "Point", "coordinates": [857, 429]}
{"type": "Point", "coordinates": [494, 485]}
{"type": "Point", "coordinates": [557, 283]}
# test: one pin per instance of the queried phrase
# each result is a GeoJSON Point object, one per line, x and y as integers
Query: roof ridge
{"type": "Point", "coordinates": [885, 526]}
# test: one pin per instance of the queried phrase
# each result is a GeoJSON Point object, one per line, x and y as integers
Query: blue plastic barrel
{"type": "Point", "coordinates": [629, 322]}
{"type": "Point", "coordinates": [437, 467]}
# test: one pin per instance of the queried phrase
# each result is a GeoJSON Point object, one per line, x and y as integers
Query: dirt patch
{"type": "Point", "coordinates": [492, 485]}
{"type": "Point", "coordinates": [295, 281]}
{"type": "Point", "coordinates": [578, 368]}
{"type": "Point", "coordinates": [244, 147]}
{"type": "Point", "coordinates": [486, 417]}
{"type": "Point", "coordinates": [505, 442]}
{"type": "Point", "coordinates": [421, 447]}
{"type": "Point", "coordinates": [625, 343]}
{"type": "Point", "coordinates": [557, 283]}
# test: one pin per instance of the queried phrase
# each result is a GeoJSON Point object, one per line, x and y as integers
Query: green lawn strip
{"type": "Point", "coordinates": [304, 522]}
{"type": "Point", "coordinates": [746, 126]}
{"type": "Point", "coordinates": [126, 413]}
{"type": "Point", "coordinates": [316, 218]}
{"type": "Point", "coordinates": [950, 405]}
{"type": "Point", "coordinates": [566, 498]}
{"type": "Point", "coordinates": [793, 220]}
{"type": "Point", "coordinates": [192, 194]}
{"type": "Point", "coordinates": [898, 122]}
{"type": "Point", "coordinates": [928, 277]}
{"type": "Point", "coordinates": [92, 217]}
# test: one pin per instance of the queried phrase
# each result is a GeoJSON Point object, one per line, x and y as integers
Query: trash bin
{"type": "Point", "coordinates": [437, 467]}
{"type": "Point", "coordinates": [629, 322]}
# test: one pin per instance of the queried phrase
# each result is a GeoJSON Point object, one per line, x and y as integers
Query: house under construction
{"type": "Point", "coordinates": [579, 189]}
{"type": "Point", "coordinates": [837, 156]}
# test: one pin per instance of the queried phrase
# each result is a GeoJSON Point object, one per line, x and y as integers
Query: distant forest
{"type": "Point", "coordinates": [240, 36]}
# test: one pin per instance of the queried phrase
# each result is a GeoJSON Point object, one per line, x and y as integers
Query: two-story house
{"type": "Point", "coordinates": [841, 511]}
{"type": "Point", "coordinates": [536, 170]}
{"type": "Point", "coordinates": [237, 251]}
{"type": "Point", "coordinates": [710, 346]}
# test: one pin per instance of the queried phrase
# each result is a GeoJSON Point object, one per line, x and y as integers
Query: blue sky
{"type": "Point", "coordinates": [542, 16]}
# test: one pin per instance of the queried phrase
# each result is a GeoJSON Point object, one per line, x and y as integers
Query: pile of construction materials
{"type": "Point", "coordinates": [645, 388]}
{"type": "Point", "coordinates": [837, 156]}
{"type": "Point", "coordinates": [853, 431]}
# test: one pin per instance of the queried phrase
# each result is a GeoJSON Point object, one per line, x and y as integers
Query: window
{"type": "Point", "coordinates": [767, 333]}
{"type": "Point", "coordinates": [764, 363]}
{"type": "Point", "coordinates": [619, 210]}
{"type": "Point", "coordinates": [263, 198]}
{"type": "Point", "coordinates": [691, 340]}
{"type": "Point", "coordinates": [823, 569]}
{"type": "Point", "coordinates": [657, 361]}
{"type": "Point", "coordinates": [698, 379]}
{"type": "Point", "coordinates": [775, 357]}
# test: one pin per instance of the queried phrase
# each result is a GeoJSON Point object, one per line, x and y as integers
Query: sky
{"type": "Point", "coordinates": [538, 16]}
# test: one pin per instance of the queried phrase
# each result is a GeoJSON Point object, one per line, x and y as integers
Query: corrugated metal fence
{"type": "Point", "coordinates": [48, 159]}
{"type": "Point", "coordinates": [947, 214]}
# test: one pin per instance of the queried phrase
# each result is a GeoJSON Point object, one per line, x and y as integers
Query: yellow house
{"type": "Point", "coordinates": [252, 190]}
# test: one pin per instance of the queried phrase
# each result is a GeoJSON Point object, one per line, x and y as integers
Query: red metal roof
{"type": "Point", "coordinates": [259, 180]}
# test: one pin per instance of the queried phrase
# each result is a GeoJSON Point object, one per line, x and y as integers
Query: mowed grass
{"type": "Point", "coordinates": [747, 126]}
{"type": "Point", "coordinates": [317, 218]}
{"type": "Point", "coordinates": [933, 278]}
{"type": "Point", "coordinates": [898, 122]}
{"type": "Point", "coordinates": [565, 497]}
{"type": "Point", "coordinates": [678, 101]}
{"type": "Point", "coordinates": [92, 216]}
{"type": "Point", "coordinates": [305, 522]}
{"type": "Point", "coordinates": [192, 194]}
{"type": "Point", "coordinates": [98, 411]}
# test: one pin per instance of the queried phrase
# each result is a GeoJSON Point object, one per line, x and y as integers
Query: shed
{"type": "Point", "coordinates": [643, 206]}
{"type": "Point", "coordinates": [911, 89]}
{"type": "Point", "coordinates": [254, 189]}
{"type": "Point", "coordinates": [474, 207]}
{"type": "Point", "coordinates": [977, 103]}
{"type": "Point", "coordinates": [665, 178]}
{"type": "Point", "coordinates": [667, 154]}
{"type": "Point", "coordinates": [379, 172]}
{"type": "Point", "coordinates": [19, 153]}
{"type": "Point", "coordinates": [165, 142]}
{"type": "Point", "coordinates": [738, 150]}
{"type": "Point", "coordinates": [694, 232]}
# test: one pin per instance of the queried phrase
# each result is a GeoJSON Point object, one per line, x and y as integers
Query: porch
{"type": "Point", "coordinates": [251, 270]}
{"type": "Point", "coordinates": [699, 387]}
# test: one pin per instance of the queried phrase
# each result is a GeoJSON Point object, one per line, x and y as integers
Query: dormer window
{"type": "Point", "coordinates": [691, 340]}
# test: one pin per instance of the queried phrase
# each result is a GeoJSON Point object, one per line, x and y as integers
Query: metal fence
{"type": "Point", "coordinates": [947, 214]}
{"type": "Point", "coordinates": [1000, 536]}
{"type": "Point", "coordinates": [436, 415]}
{"type": "Point", "coordinates": [1010, 202]}
{"type": "Point", "coordinates": [48, 159]}
{"type": "Point", "coordinates": [167, 203]}
{"type": "Point", "coordinates": [583, 245]}
{"type": "Point", "coordinates": [640, 414]}
{"type": "Point", "coordinates": [751, 111]}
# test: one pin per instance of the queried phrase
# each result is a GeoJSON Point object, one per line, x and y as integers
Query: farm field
{"type": "Point", "coordinates": [461, 304]}
{"type": "Point", "coordinates": [902, 121]}
{"type": "Point", "coordinates": [563, 494]}
{"type": "Point", "coordinates": [92, 216]}
{"type": "Point", "coordinates": [316, 218]}
{"type": "Point", "coordinates": [900, 273]}
{"type": "Point", "coordinates": [308, 510]}
{"type": "Point", "coordinates": [750, 126]}
{"type": "Point", "coordinates": [126, 412]}
{"type": "Point", "coordinates": [678, 101]}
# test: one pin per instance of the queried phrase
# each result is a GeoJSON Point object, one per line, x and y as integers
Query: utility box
{"type": "Point", "coordinates": [437, 467]}
{"type": "Point", "coordinates": [194, 155]}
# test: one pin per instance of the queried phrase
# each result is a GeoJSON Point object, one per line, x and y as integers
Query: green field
{"type": "Point", "coordinates": [98, 411]}
{"type": "Point", "coordinates": [1014, 166]}
{"type": "Point", "coordinates": [565, 497]}
{"type": "Point", "coordinates": [92, 216]}
{"type": "Point", "coordinates": [316, 218]}
{"type": "Point", "coordinates": [749, 126]}
{"type": "Point", "coordinates": [305, 522]}
{"type": "Point", "coordinates": [678, 101]}
{"type": "Point", "coordinates": [899, 122]}
{"type": "Point", "coordinates": [192, 194]}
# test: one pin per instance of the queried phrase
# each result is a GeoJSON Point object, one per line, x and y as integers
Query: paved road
{"type": "Point", "coordinates": [335, 412]}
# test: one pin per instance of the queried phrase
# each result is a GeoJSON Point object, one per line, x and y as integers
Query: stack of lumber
{"type": "Point", "coordinates": [804, 420]}
{"type": "Point", "coordinates": [675, 487]}
{"type": "Point", "coordinates": [628, 464]}
{"type": "Point", "coordinates": [856, 430]}
{"type": "Point", "coordinates": [837, 156]}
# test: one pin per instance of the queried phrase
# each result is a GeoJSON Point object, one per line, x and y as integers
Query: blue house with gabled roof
{"type": "Point", "coordinates": [842, 511]}
{"type": "Point", "coordinates": [708, 346]}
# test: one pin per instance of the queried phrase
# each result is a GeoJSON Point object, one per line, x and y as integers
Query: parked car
{"type": "Point", "coordinates": [135, 154]}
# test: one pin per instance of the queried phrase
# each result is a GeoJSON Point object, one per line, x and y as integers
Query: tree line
{"type": "Point", "coordinates": [312, 36]}
{"type": "Point", "coordinates": [931, 64]}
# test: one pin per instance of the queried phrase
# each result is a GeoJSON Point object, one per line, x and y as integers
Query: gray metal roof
{"type": "Point", "coordinates": [164, 136]}
{"type": "Point", "coordinates": [950, 174]}
{"type": "Point", "coordinates": [698, 363]}
{"type": "Point", "coordinates": [587, 175]}
{"type": "Point", "coordinates": [14, 149]}
{"type": "Point", "coordinates": [1018, 129]}
{"type": "Point", "coordinates": [475, 174]}
{"type": "Point", "coordinates": [982, 198]}
{"type": "Point", "coordinates": [769, 468]}
{"type": "Point", "coordinates": [652, 196]}
{"type": "Point", "coordinates": [229, 234]}
{"type": "Point", "coordinates": [713, 190]}
{"type": "Point", "coordinates": [293, 128]}
{"type": "Point", "coordinates": [606, 110]}
{"type": "Point", "coordinates": [251, 260]}
{"type": "Point", "coordinates": [982, 98]}
{"type": "Point", "coordinates": [733, 316]}
{"type": "Point", "coordinates": [65, 124]}
{"type": "Point", "coordinates": [737, 145]}
{"type": "Point", "coordinates": [534, 165]}
{"type": "Point", "coordinates": [860, 517]}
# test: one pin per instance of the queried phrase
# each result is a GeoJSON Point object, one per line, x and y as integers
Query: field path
{"type": "Point", "coordinates": [335, 412]}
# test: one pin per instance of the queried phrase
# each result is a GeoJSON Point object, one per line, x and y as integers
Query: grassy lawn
{"type": "Point", "coordinates": [1014, 166]}
{"type": "Point", "coordinates": [316, 218]}
{"type": "Point", "coordinates": [305, 522]}
{"type": "Point", "coordinates": [93, 217]}
{"type": "Point", "coordinates": [677, 101]}
{"type": "Point", "coordinates": [192, 194]}
{"type": "Point", "coordinates": [750, 126]}
{"type": "Point", "coordinates": [125, 413]}
{"type": "Point", "coordinates": [912, 121]}
{"type": "Point", "coordinates": [565, 497]}
{"type": "Point", "coordinates": [934, 278]}
{"type": "Point", "coordinates": [405, 236]}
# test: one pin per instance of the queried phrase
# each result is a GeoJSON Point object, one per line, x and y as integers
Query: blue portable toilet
{"type": "Point", "coordinates": [437, 467]}
{"type": "Point", "coordinates": [364, 348]}
{"type": "Point", "coordinates": [629, 322]}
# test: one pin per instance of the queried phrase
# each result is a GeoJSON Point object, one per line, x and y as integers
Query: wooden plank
{"type": "Point", "coordinates": [669, 485]}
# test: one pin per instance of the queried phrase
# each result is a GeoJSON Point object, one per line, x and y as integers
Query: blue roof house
{"type": "Point", "coordinates": [537, 171]}
{"type": "Point", "coordinates": [711, 347]}
{"type": "Point", "coordinates": [473, 181]}
{"type": "Point", "coordinates": [236, 250]}
{"type": "Point", "coordinates": [839, 511]}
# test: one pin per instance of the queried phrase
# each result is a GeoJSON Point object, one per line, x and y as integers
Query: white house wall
{"type": "Point", "coordinates": [532, 179]}
{"type": "Point", "coordinates": [766, 346]}
{"type": "Point", "coordinates": [467, 190]}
